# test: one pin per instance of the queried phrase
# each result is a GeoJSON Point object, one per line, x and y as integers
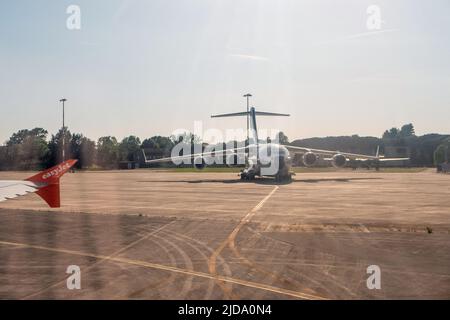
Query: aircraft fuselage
{"type": "Point", "coordinates": [270, 160]}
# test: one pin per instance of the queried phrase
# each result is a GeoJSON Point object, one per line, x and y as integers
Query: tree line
{"type": "Point", "coordinates": [426, 150]}
{"type": "Point", "coordinates": [31, 149]}
{"type": "Point", "coordinates": [35, 149]}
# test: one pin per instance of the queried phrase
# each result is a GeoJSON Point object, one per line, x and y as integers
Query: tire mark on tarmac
{"type": "Point", "coordinates": [179, 237]}
{"type": "Point", "coordinates": [106, 258]}
{"type": "Point", "coordinates": [273, 275]}
{"type": "Point", "coordinates": [212, 263]}
{"type": "Point", "coordinates": [231, 243]}
{"type": "Point", "coordinates": [225, 265]}
{"type": "Point", "coordinates": [156, 266]}
{"type": "Point", "coordinates": [140, 291]}
{"type": "Point", "coordinates": [188, 266]}
{"type": "Point", "coordinates": [166, 281]}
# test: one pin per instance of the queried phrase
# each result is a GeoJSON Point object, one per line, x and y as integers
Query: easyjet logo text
{"type": "Point", "coordinates": [56, 172]}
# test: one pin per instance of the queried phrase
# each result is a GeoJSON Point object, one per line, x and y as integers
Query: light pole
{"type": "Point", "coordinates": [63, 131]}
{"type": "Point", "coordinates": [248, 95]}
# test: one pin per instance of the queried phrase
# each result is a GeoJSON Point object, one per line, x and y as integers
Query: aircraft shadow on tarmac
{"type": "Point", "coordinates": [265, 181]}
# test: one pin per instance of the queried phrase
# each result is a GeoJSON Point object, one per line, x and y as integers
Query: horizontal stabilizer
{"type": "Point", "coordinates": [261, 113]}
{"type": "Point", "coordinates": [237, 114]}
{"type": "Point", "coordinates": [258, 113]}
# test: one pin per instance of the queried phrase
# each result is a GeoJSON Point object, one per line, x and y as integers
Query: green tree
{"type": "Point", "coordinates": [186, 137]}
{"type": "Point", "coordinates": [61, 140]}
{"type": "Point", "coordinates": [107, 152]}
{"type": "Point", "coordinates": [158, 142]}
{"type": "Point", "coordinates": [129, 148]}
{"type": "Point", "coordinates": [27, 149]}
{"type": "Point", "coordinates": [21, 135]}
{"type": "Point", "coordinates": [282, 138]}
{"type": "Point", "coordinates": [149, 144]}
{"type": "Point", "coordinates": [82, 149]}
{"type": "Point", "coordinates": [391, 134]}
{"type": "Point", "coordinates": [407, 130]}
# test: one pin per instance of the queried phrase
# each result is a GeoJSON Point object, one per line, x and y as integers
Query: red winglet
{"type": "Point", "coordinates": [48, 182]}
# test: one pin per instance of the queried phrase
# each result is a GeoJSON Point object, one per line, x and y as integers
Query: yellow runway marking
{"type": "Point", "coordinates": [171, 269]}
{"type": "Point", "coordinates": [246, 219]}
{"type": "Point", "coordinates": [230, 242]}
{"type": "Point", "coordinates": [151, 233]}
{"type": "Point", "coordinates": [212, 262]}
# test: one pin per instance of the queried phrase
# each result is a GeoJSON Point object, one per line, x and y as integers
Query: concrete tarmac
{"type": "Point", "coordinates": [169, 235]}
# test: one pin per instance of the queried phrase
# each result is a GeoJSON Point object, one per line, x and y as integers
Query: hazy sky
{"type": "Point", "coordinates": [148, 67]}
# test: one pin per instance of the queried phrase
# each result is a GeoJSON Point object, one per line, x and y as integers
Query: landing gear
{"type": "Point", "coordinates": [245, 175]}
{"type": "Point", "coordinates": [289, 177]}
{"type": "Point", "coordinates": [248, 174]}
{"type": "Point", "coordinates": [281, 177]}
{"type": "Point", "coordinates": [284, 178]}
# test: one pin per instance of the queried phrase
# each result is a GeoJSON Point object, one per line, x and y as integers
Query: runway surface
{"type": "Point", "coordinates": [167, 235]}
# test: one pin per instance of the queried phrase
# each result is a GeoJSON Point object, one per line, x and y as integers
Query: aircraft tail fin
{"type": "Point", "coordinates": [48, 182]}
{"type": "Point", "coordinates": [378, 152]}
{"type": "Point", "coordinates": [252, 117]}
{"type": "Point", "coordinates": [252, 113]}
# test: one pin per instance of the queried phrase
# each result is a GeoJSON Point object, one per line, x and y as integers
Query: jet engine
{"type": "Point", "coordinates": [339, 161]}
{"type": "Point", "coordinates": [199, 163]}
{"type": "Point", "coordinates": [309, 159]}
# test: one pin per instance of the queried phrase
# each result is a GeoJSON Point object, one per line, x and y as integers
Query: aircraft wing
{"type": "Point", "coordinates": [190, 156]}
{"type": "Point", "coordinates": [393, 159]}
{"type": "Point", "coordinates": [45, 184]}
{"type": "Point", "coordinates": [353, 156]}
{"type": "Point", "coordinates": [331, 153]}
{"type": "Point", "coordinates": [14, 189]}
